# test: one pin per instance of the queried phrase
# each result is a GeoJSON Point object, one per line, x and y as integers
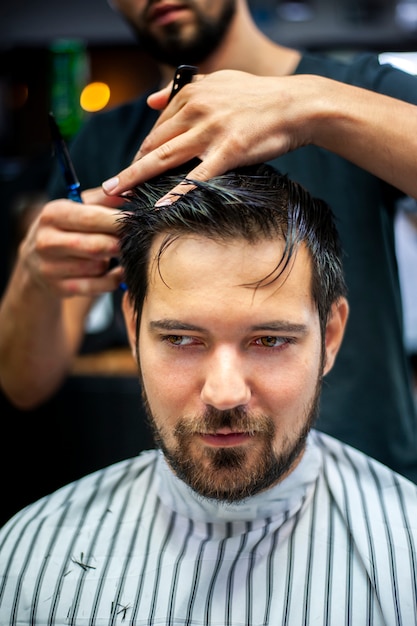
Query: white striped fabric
{"type": "Point", "coordinates": [333, 544]}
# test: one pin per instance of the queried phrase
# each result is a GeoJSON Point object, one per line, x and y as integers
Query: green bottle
{"type": "Point", "coordinates": [69, 75]}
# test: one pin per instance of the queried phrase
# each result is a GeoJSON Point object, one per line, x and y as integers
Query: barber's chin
{"type": "Point", "coordinates": [166, 14]}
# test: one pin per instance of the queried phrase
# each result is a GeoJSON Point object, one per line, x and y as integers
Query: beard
{"type": "Point", "coordinates": [171, 49]}
{"type": "Point", "coordinates": [232, 474]}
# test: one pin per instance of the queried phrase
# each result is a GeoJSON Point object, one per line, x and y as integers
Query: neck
{"type": "Point", "coordinates": [247, 49]}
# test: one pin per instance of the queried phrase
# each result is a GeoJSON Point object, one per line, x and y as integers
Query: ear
{"type": "Point", "coordinates": [130, 321]}
{"type": "Point", "coordinates": [335, 329]}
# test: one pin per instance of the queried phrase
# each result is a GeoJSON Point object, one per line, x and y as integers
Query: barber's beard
{"type": "Point", "coordinates": [172, 49]}
{"type": "Point", "coordinates": [232, 474]}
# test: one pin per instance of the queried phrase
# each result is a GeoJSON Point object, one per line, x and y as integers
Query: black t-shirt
{"type": "Point", "coordinates": [367, 399]}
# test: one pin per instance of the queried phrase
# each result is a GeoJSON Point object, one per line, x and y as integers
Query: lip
{"type": "Point", "coordinates": [226, 439]}
{"type": "Point", "coordinates": [165, 12]}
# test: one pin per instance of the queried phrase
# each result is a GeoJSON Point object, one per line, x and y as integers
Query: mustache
{"type": "Point", "coordinates": [237, 420]}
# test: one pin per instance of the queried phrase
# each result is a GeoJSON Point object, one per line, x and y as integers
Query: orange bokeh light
{"type": "Point", "coordinates": [95, 96]}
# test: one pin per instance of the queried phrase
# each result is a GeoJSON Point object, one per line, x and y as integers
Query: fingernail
{"type": "Point", "coordinates": [110, 184]}
{"type": "Point", "coordinates": [163, 202]}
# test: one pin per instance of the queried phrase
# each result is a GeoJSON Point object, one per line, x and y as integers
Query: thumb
{"type": "Point", "coordinates": [159, 99]}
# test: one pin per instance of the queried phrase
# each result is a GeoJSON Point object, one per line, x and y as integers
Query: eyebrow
{"type": "Point", "coordinates": [168, 324]}
{"type": "Point", "coordinates": [270, 326]}
{"type": "Point", "coordinates": [282, 326]}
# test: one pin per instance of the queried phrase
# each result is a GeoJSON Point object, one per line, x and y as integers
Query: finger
{"type": "Point", "coordinates": [173, 121]}
{"type": "Point", "coordinates": [159, 99]}
{"type": "Point", "coordinates": [174, 194]}
{"type": "Point", "coordinates": [171, 141]}
{"type": "Point", "coordinates": [62, 244]}
{"type": "Point", "coordinates": [171, 154]}
{"type": "Point", "coordinates": [92, 286]}
{"type": "Point", "coordinates": [73, 216]}
{"type": "Point", "coordinates": [157, 135]}
{"type": "Point", "coordinates": [206, 170]}
{"type": "Point", "coordinates": [166, 127]}
{"type": "Point", "coordinates": [72, 268]}
{"type": "Point", "coordinates": [162, 132]}
{"type": "Point", "coordinates": [79, 278]}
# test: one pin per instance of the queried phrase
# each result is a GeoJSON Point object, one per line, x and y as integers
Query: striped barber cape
{"type": "Point", "coordinates": [333, 544]}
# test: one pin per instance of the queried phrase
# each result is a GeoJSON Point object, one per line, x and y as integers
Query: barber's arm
{"type": "Point", "coordinates": [61, 266]}
{"type": "Point", "coordinates": [232, 118]}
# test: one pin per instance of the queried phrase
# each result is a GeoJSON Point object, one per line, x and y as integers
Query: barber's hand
{"type": "Point", "coordinates": [68, 247]}
{"type": "Point", "coordinates": [226, 119]}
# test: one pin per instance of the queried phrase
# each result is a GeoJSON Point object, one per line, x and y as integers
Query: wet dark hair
{"type": "Point", "coordinates": [250, 203]}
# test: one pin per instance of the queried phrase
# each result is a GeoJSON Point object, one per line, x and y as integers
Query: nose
{"type": "Point", "coordinates": [225, 386]}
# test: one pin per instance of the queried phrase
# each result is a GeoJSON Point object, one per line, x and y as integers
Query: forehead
{"type": "Point", "coordinates": [199, 274]}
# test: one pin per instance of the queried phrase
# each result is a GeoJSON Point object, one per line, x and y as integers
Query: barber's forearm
{"type": "Point", "coordinates": [375, 132]}
{"type": "Point", "coordinates": [34, 353]}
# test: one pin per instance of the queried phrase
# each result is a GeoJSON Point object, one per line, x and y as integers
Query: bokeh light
{"type": "Point", "coordinates": [95, 96]}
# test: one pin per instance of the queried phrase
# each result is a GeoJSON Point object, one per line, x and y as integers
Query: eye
{"type": "Point", "coordinates": [178, 340]}
{"type": "Point", "coordinates": [271, 341]}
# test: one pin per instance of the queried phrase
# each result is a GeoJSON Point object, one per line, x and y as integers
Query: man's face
{"type": "Point", "coordinates": [231, 373]}
{"type": "Point", "coordinates": [178, 31]}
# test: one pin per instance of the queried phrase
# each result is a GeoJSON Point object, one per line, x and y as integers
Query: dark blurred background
{"type": "Point", "coordinates": [49, 50]}
{"type": "Point", "coordinates": [30, 76]}
{"type": "Point", "coordinates": [30, 28]}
